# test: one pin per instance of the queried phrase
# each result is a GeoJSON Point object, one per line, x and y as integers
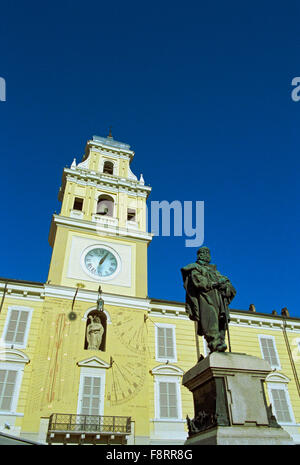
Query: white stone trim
{"type": "Point", "coordinates": [97, 227]}
{"type": "Point", "coordinates": [13, 356]}
{"type": "Point", "coordinates": [91, 309]}
{"type": "Point", "coordinates": [93, 362]}
{"type": "Point", "coordinates": [87, 295]}
{"type": "Point", "coordinates": [110, 148]}
{"type": "Point", "coordinates": [22, 291]}
{"type": "Point", "coordinates": [167, 370]}
{"type": "Point", "coordinates": [91, 178]}
{"type": "Point", "coordinates": [276, 377]}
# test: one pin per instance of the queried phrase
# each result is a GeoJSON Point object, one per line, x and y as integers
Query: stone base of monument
{"type": "Point", "coordinates": [229, 402]}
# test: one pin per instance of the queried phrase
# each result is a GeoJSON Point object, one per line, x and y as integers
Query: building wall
{"type": "Point", "coordinates": [55, 349]}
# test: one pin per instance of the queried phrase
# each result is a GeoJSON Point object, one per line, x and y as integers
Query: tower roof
{"type": "Point", "coordinates": [109, 141]}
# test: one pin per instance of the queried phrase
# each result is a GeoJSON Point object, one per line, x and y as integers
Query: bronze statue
{"type": "Point", "coordinates": [208, 295]}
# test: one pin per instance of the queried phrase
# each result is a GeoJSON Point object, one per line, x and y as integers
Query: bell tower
{"type": "Point", "coordinates": [100, 235]}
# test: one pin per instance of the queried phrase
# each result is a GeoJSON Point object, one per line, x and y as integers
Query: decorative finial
{"type": "Point", "coordinates": [110, 134]}
{"type": "Point", "coordinates": [100, 301]}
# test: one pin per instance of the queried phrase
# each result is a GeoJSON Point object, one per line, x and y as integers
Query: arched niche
{"type": "Point", "coordinates": [95, 331]}
{"type": "Point", "coordinates": [105, 205]}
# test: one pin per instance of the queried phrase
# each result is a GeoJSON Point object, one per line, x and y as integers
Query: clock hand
{"type": "Point", "coordinates": [102, 259]}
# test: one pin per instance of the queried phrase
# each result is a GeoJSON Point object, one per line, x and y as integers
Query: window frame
{"type": "Point", "coordinates": [266, 336]}
{"type": "Point", "coordinates": [280, 385]}
{"type": "Point", "coordinates": [76, 199]}
{"type": "Point", "coordinates": [95, 373]}
{"type": "Point", "coordinates": [131, 211]}
{"type": "Point", "coordinates": [167, 382]}
{"type": "Point", "coordinates": [167, 374]}
{"type": "Point", "coordinates": [165, 359]}
{"type": "Point", "coordinates": [14, 360]}
{"type": "Point", "coordinates": [26, 332]}
{"type": "Point", "coordinates": [110, 162]}
{"type": "Point", "coordinates": [110, 198]}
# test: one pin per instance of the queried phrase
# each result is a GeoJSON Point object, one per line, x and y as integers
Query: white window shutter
{"type": "Point", "coordinates": [269, 351]}
{"type": "Point", "coordinates": [91, 395]}
{"type": "Point", "coordinates": [16, 327]}
{"type": "Point", "coordinates": [281, 406]}
{"type": "Point", "coordinates": [168, 400]}
{"type": "Point", "coordinates": [165, 343]}
{"type": "Point", "coordinates": [7, 388]}
{"type": "Point", "coordinates": [169, 342]}
{"type": "Point", "coordinates": [161, 342]}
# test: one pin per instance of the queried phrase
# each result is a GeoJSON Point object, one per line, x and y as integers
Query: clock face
{"type": "Point", "coordinates": [101, 262]}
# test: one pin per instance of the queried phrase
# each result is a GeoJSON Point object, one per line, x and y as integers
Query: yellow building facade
{"type": "Point", "coordinates": [56, 386]}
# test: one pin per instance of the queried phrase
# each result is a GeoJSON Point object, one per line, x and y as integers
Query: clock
{"type": "Point", "coordinates": [101, 262]}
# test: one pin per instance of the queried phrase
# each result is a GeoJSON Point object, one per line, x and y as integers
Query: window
{"type": "Point", "coordinates": [277, 385]}
{"type": "Point", "coordinates": [92, 386]}
{"type": "Point", "coordinates": [17, 326]}
{"type": "Point", "coordinates": [165, 343]}
{"type": "Point", "coordinates": [90, 404]}
{"type": "Point", "coordinates": [268, 350]}
{"type": "Point", "coordinates": [131, 215]}
{"type": "Point", "coordinates": [168, 400]}
{"type": "Point", "coordinates": [7, 388]}
{"type": "Point", "coordinates": [280, 405]}
{"type": "Point", "coordinates": [108, 167]}
{"type": "Point", "coordinates": [105, 205]}
{"type": "Point", "coordinates": [78, 204]}
{"type": "Point", "coordinates": [167, 393]}
{"type": "Point", "coordinates": [12, 366]}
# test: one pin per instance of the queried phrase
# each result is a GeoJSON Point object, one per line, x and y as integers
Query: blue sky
{"type": "Point", "coordinates": [202, 93]}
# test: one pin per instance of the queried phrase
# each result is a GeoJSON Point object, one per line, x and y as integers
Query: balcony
{"type": "Point", "coordinates": [105, 220]}
{"type": "Point", "coordinates": [65, 428]}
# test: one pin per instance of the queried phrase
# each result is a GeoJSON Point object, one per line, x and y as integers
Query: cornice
{"type": "Point", "coordinates": [21, 290]}
{"type": "Point", "coordinates": [110, 145]}
{"type": "Point", "coordinates": [31, 291]}
{"type": "Point", "coordinates": [237, 318]}
{"type": "Point", "coordinates": [86, 295]}
{"type": "Point", "coordinates": [108, 230]}
{"type": "Point", "coordinates": [92, 178]}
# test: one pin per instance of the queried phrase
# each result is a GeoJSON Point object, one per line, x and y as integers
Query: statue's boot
{"type": "Point", "coordinates": [221, 347]}
{"type": "Point", "coordinates": [213, 343]}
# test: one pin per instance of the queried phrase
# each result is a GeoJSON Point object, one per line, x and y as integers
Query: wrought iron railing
{"type": "Point", "coordinates": [89, 423]}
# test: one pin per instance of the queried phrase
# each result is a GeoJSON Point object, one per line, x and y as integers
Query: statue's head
{"type": "Point", "coordinates": [203, 254]}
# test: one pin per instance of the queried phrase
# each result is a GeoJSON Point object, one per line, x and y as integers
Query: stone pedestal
{"type": "Point", "coordinates": [229, 402]}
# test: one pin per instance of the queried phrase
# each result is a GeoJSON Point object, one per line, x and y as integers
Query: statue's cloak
{"type": "Point", "coordinates": [201, 299]}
